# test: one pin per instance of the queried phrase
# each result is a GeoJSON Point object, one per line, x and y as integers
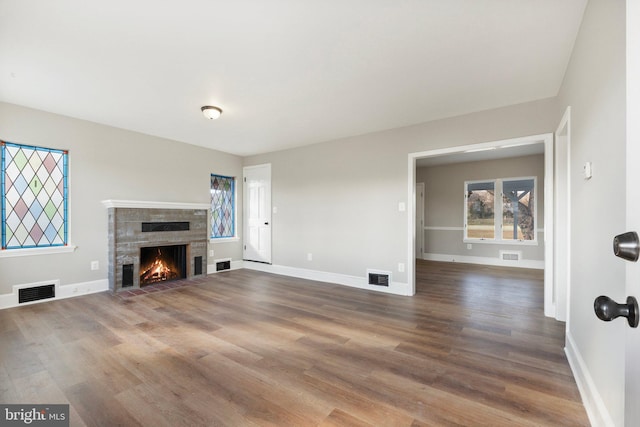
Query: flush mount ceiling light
{"type": "Point", "coordinates": [211, 112]}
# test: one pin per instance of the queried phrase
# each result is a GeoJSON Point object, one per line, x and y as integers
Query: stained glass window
{"type": "Point", "coordinates": [34, 196]}
{"type": "Point", "coordinates": [222, 206]}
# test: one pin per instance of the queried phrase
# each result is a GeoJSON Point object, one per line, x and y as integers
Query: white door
{"type": "Point", "coordinates": [419, 220]}
{"type": "Point", "coordinates": [632, 365]}
{"type": "Point", "coordinates": [257, 213]}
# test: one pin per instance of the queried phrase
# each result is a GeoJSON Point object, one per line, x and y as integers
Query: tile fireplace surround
{"type": "Point", "coordinates": [126, 236]}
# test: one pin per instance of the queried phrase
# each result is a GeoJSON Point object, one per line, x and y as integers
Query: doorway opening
{"type": "Point", "coordinates": [516, 147]}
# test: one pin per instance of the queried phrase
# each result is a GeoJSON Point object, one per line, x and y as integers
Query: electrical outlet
{"type": "Point", "coordinates": [309, 256]}
{"type": "Point", "coordinates": [469, 246]}
{"type": "Point", "coordinates": [401, 267]}
{"type": "Point", "coordinates": [95, 265]}
{"type": "Point", "coordinates": [210, 252]}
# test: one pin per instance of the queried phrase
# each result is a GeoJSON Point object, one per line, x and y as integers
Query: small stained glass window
{"type": "Point", "coordinates": [222, 206]}
{"type": "Point", "coordinates": [34, 196]}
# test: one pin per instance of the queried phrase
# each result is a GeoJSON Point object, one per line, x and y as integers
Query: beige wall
{"type": "Point", "coordinates": [339, 199]}
{"type": "Point", "coordinates": [444, 205]}
{"type": "Point", "coordinates": [108, 163]}
{"type": "Point", "coordinates": [594, 87]}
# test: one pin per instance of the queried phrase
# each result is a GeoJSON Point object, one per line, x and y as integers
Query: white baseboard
{"type": "Point", "coordinates": [523, 263]}
{"type": "Point", "coordinates": [591, 399]}
{"type": "Point", "coordinates": [395, 288]}
{"type": "Point", "coordinates": [62, 291]}
{"type": "Point", "coordinates": [235, 265]}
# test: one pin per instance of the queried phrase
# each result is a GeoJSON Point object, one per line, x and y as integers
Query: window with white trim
{"type": "Point", "coordinates": [33, 196]}
{"type": "Point", "coordinates": [509, 217]}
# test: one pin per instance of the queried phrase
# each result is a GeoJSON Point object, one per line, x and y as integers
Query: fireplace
{"type": "Point", "coordinates": [162, 264]}
{"type": "Point", "coordinates": [152, 242]}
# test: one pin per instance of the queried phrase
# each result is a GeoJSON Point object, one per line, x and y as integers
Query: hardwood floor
{"type": "Point", "coordinates": [248, 348]}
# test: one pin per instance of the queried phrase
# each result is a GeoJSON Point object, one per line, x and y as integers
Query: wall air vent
{"type": "Point", "coordinates": [197, 266]}
{"type": "Point", "coordinates": [223, 264]}
{"type": "Point", "coordinates": [36, 293]}
{"type": "Point", "coordinates": [378, 278]}
{"type": "Point", "coordinates": [510, 255]}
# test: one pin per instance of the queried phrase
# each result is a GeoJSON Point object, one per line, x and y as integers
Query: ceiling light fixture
{"type": "Point", "coordinates": [211, 112]}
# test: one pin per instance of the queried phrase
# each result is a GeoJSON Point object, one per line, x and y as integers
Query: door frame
{"type": "Point", "coordinates": [547, 140]}
{"type": "Point", "coordinates": [562, 216]}
{"type": "Point", "coordinates": [420, 186]}
{"type": "Point", "coordinates": [632, 270]}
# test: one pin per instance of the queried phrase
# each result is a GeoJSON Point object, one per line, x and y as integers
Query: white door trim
{"type": "Point", "coordinates": [420, 187]}
{"type": "Point", "coordinates": [562, 271]}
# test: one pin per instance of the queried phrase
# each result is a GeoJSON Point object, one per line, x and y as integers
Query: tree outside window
{"type": "Point", "coordinates": [515, 202]}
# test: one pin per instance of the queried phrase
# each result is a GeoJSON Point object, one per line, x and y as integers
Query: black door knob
{"type": "Point", "coordinates": [627, 246]}
{"type": "Point", "coordinates": [607, 309]}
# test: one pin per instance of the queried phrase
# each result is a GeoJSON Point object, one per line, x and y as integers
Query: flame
{"type": "Point", "coordinates": [158, 271]}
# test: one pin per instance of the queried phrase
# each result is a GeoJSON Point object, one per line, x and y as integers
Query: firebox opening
{"type": "Point", "coordinates": [162, 264]}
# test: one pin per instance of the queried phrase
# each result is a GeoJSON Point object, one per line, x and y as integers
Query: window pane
{"type": "Point", "coordinates": [222, 206]}
{"type": "Point", "coordinates": [518, 222]}
{"type": "Point", "coordinates": [480, 210]}
{"type": "Point", "coordinates": [34, 196]}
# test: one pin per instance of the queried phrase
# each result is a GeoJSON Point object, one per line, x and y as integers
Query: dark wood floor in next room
{"type": "Point", "coordinates": [244, 348]}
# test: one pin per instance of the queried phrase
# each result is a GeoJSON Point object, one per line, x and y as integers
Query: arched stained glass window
{"type": "Point", "coordinates": [33, 195]}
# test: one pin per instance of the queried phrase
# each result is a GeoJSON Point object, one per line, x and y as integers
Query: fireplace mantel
{"type": "Point", "coordinates": [152, 205]}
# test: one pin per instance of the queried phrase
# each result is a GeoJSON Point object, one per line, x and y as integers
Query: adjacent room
{"type": "Point", "coordinates": [315, 213]}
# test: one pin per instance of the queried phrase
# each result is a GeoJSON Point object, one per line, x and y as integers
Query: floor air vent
{"type": "Point", "coordinates": [378, 279]}
{"type": "Point", "coordinates": [36, 293]}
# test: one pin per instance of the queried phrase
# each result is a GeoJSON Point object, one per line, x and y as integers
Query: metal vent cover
{"type": "Point", "coordinates": [378, 279]}
{"type": "Point", "coordinates": [510, 255]}
{"type": "Point", "coordinates": [223, 265]}
{"type": "Point", "coordinates": [36, 293]}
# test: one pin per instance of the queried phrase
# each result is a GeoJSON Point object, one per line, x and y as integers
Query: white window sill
{"type": "Point", "coordinates": [224, 240]}
{"type": "Point", "coordinates": [11, 253]}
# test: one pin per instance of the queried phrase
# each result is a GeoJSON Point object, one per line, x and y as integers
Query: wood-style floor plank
{"type": "Point", "coordinates": [253, 349]}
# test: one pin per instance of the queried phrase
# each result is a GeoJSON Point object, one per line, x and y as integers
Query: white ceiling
{"type": "Point", "coordinates": [286, 72]}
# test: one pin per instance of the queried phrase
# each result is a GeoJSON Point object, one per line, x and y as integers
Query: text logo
{"type": "Point", "coordinates": [34, 415]}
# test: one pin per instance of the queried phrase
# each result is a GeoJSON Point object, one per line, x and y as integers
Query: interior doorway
{"type": "Point", "coordinates": [257, 213]}
{"type": "Point", "coordinates": [494, 149]}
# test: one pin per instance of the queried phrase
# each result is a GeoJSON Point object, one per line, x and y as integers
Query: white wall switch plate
{"type": "Point", "coordinates": [95, 265]}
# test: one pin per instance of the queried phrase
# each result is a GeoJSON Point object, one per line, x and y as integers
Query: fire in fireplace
{"type": "Point", "coordinates": [162, 263]}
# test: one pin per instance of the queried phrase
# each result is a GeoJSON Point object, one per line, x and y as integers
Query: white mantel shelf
{"type": "Point", "coordinates": [152, 205]}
